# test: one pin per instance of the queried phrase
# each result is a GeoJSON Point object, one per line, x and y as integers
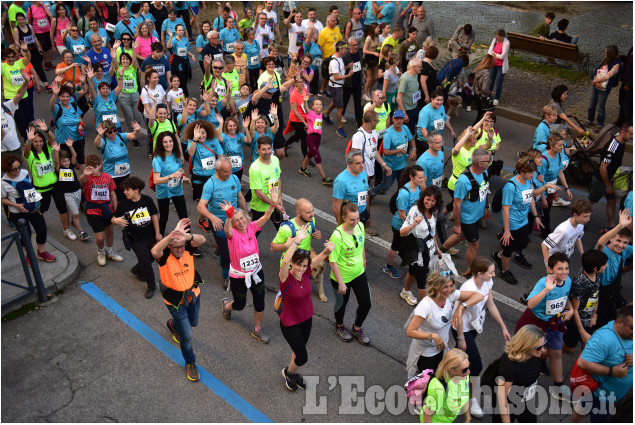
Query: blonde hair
{"type": "Point", "coordinates": [549, 109]}
{"type": "Point", "coordinates": [435, 283]}
{"type": "Point", "coordinates": [526, 339]}
{"type": "Point", "coordinates": [451, 360]}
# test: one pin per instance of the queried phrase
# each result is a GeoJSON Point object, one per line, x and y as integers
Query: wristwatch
{"type": "Point", "coordinates": [430, 337]}
{"type": "Point", "coordinates": [464, 304]}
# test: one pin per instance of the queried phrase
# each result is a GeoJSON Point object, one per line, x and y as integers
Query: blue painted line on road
{"type": "Point", "coordinates": [210, 381]}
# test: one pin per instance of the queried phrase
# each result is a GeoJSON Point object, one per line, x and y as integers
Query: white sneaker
{"type": "Point", "coordinates": [344, 119]}
{"type": "Point", "coordinates": [113, 256]}
{"type": "Point", "coordinates": [101, 257]}
{"type": "Point", "coordinates": [366, 98]}
{"type": "Point", "coordinates": [475, 408]}
{"type": "Point", "coordinates": [561, 203]}
{"type": "Point", "coordinates": [468, 108]}
{"type": "Point", "coordinates": [495, 103]}
{"type": "Point", "coordinates": [407, 295]}
{"type": "Point", "coordinates": [70, 235]}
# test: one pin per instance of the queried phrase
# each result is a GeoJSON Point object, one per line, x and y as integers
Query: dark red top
{"type": "Point", "coordinates": [297, 304]}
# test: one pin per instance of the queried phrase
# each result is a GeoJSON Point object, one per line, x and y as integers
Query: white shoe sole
{"type": "Point", "coordinates": [408, 299]}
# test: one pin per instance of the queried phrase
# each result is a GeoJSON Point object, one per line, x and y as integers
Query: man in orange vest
{"type": "Point", "coordinates": [180, 287]}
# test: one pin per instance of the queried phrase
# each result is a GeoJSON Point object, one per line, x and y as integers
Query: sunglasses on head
{"type": "Point", "coordinates": [446, 273]}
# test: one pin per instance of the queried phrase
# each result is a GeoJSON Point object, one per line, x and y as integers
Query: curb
{"type": "Point", "coordinates": [517, 115]}
{"type": "Point", "coordinates": [69, 275]}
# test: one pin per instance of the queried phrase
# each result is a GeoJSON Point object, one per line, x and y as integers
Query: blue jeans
{"type": "Point", "coordinates": [496, 76]}
{"type": "Point", "coordinates": [184, 319]}
{"type": "Point", "coordinates": [386, 182]}
{"type": "Point", "coordinates": [598, 99]}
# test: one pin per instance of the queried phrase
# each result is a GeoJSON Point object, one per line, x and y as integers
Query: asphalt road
{"type": "Point", "coordinates": [85, 358]}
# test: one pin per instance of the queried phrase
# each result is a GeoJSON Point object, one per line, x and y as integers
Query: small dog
{"type": "Point", "coordinates": [452, 105]}
{"type": "Point", "coordinates": [317, 275]}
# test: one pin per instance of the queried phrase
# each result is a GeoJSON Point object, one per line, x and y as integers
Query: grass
{"type": "Point", "coordinates": [568, 75]}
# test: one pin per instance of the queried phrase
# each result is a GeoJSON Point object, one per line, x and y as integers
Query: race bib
{"type": "Point", "coordinates": [439, 124]}
{"type": "Point", "coordinates": [181, 51]}
{"type": "Point", "coordinates": [104, 40]}
{"type": "Point", "coordinates": [141, 217]}
{"type": "Point", "coordinates": [110, 117]}
{"type": "Point", "coordinates": [208, 163]}
{"type": "Point", "coordinates": [318, 124]}
{"type": "Point", "coordinates": [273, 183]}
{"type": "Point", "coordinates": [359, 34]}
{"type": "Point", "coordinates": [249, 263]}
{"type": "Point", "coordinates": [437, 182]}
{"type": "Point", "coordinates": [372, 152]}
{"type": "Point", "coordinates": [317, 62]}
{"type": "Point", "coordinates": [158, 68]}
{"type": "Point", "coordinates": [221, 91]}
{"type": "Point", "coordinates": [254, 60]}
{"type": "Point", "coordinates": [361, 198]}
{"type": "Point", "coordinates": [527, 196]}
{"type": "Point", "coordinates": [565, 164]}
{"type": "Point", "coordinates": [380, 133]}
{"type": "Point", "coordinates": [591, 303]}
{"type": "Point", "coordinates": [236, 161]}
{"type": "Point", "coordinates": [218, 57]}
{"type": "Point", "coordinates": [174, 182]}
{"type": "Point", "coordinates": [230, 46]}
{"type": "Point", "coordinates": [100, 194]}
{"type": "Point", "coordinates": [409, 55]}
{"type": "Point", "coordinates": [242, 108]}
{"type": "Point", "coordinates": [42, 22]}
{"type": "Point", "coordinates": [17, 80]}
{"type": "Point", "coordinates": [556, 306]}
{"type": "Point", "coordinates": [357, 66]}
{"type": "Point", "coordinates": [44, 168]}
{"type": "Point", "coordinates": [28, 39]}
{"type": "Point", "coordinates": [430, 246]}
{"type": "Point", "coordinates": [31, 196]}
{"type": "Point", "coordinates": [530, 392]}
{"type": "Point", "coordinates": [478, 322]}
{"type": "Point", "coordinates": [156, 95]}
{"type": "Point", "coordinates": [552, 190]}
{"type": "Point", "coordinates": [402, 146]}
{"type": "Point", "coordinates": [78, 48]}
{"type": "Point", "coordinates": [110, 27]}
{"type": "Point", "coordinates": [122, 169]}
{"type": "Point", "coordinates": [482, 192]}
{"type": "Point", "coordinates": [129, 84]}
{"type": "Point", "coordinates": [66, 175]}
{"type": "Point", "coordinates": [416, 97]}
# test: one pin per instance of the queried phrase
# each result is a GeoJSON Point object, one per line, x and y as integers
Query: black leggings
{"type": "Point", "coordinates": [450, 205]}
{"type": "Point", "coordinates": [164, 210]}
{"type": "Point", "coordinates": [429, 362]}
{"type": "Point", "coordinates": [314, 87]}
{"type": "Point", "coordinates": [185, 15]}
{"type": "Point", "coordinates": [144, 259]}
{"type": "Point", "coordinates": [362, 292]}
{"type": "Point", "coordinates": [300, 135]}
{"type": "Point", "coordinates": [58, 197]}
{"type": "Point", "coordinates": [297, 336]}
{"type": "Point", "coordinates": [239, 292]}
{"type": "Point", "coordinates": [546, 218]}
{"type": "Point", "coordinates": [253, 78]}
{"type": "Point", "coordinates": [476, 364]}
{"type": "Point", "coordinates": [36, 219]}
{"type": "Point", "coordinates": [38, 61]}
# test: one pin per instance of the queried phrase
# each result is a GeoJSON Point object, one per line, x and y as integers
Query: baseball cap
{"type": "Point", "coordinates": [271, 90]}
{"type": "Point", "coordinates": [399, 114]}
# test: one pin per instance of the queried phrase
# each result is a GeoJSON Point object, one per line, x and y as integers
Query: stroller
{"type": "Point", "coordinates": [586, 160]}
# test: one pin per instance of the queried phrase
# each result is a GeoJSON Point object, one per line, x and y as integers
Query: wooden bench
{"type": "Point", "coordinates": [548, 48]}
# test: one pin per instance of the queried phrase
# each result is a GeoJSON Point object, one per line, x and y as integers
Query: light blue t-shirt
{"type": "Point", "coordinates": [228, 37]}
{"type": "Point", "coordinates": [397, 140]}
{"type": "Point", "coordinates": [216, 191]}
{"type": "Point", "coordinates": [314, 50]}
{"type": "Point", "coordinates": [66, 125]}
{"type": "Point", "coordinates": [432, 167]}
{"type": "Point", "coordinates": [554, 302]}
{"type": "Point", "coordinates": [628, 202]}
{"type": "Point", "coordinates": [550, 167]}
{"type": "Point", "coordinates": [78, 51]}
{"type": "Point", "coordinates": [252, 51]}
{"type": "Point", "coordinates": [431, 119]}
{"type": "Point", "coordinates": [388, 11]}
{"type": "Point", "coordinates": [233, 147]}
{"type": "Point", "coordinates": [203, 161]}
{"type": "Point", "coordinates": [370, 17]}
{"type": "Point", "coordinates": [147, 17]}
{"type": "Point", "coordinates": [610, 273]}
{"type": "Point", "coordinates": [106, 109]}
{"type": "Point", "coordinates": [171, 25]}
{"type": "Point", "coordinates": [471, 212]}
{"type": "Point", "coordinates": [181, 48]}
{"type": "Point", "coordinates": [540, 136]}
{"type": "Point", "coordinates": [519, 198]}
{"type": "Point", "coordinates": [115, 155]}
{"type": "Point", "coordinates": [352, 188]}
{"type": "Point", "coordinates": [201, 42]}
{"type": "Point", "coordinates": [171, 165]}
{"type": "Point", "coordinates": [405, 200]}
{"type": "Point", "coordinates": [195, 116]}
{"type": "Point", "coordinates": [254, 143]}
{"type": "Point", "coordinates": [607, 348]}
{"type": "Point", "coordinates": [130, 28]}
{"type": "Point", "coordinates": [102, 33]}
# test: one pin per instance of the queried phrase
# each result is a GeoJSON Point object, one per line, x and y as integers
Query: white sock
{"type": "Point", "coordinates": [109, 249]}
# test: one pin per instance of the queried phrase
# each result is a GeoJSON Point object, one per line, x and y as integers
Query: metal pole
{"type": "Point", "coordinates": [26, 239]}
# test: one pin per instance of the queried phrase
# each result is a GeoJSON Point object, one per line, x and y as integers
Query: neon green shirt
{"type": "Point", "coordinates": [348, 252]}
{"type": "Point", "coordinates": [42, 169]}
{"type": "Point", "coordinates": [460, 162]}
{"type": "Point", "coordinates": [264, 177]}
{"type": "Point", "coordinates": [446, 407]}
{"type": "Point", "coordinates": [284, 233]}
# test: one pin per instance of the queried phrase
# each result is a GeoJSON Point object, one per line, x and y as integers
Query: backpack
{"type": "Point", "coordinates": [472, 195]}
{"type": "Point", "coordinates": [59, 113]}
{"type": "Point", "coordinates": [21, 187]}
{"type": "Point", "coordinates": [392, 204]}
{"type": "Point", "coordinates": [350, 144]}
{"type": "Point", "coordinates": [191, 166]}
{"type": "Point", "coordinates": [151, 184]}
{"type": "Point", "coordinates": [488, 379]}
{"type": "Point", "coordinates": [291, 225]}
{"type": "Point", "coordinates": [497, 200]}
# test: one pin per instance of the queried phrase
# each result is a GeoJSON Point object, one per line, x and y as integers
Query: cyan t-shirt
{"type": "Point", "coordinates": [254, 143]}
{"type": "Point", "coordinates": [550, 167]}
{"type": "Point", "coordinates": [216, 191]}
{"type": "Point", "coordinates": [628, 202]}
{"type": "Point", "coordinates": [540, 136]}
{"type": "Point", "coordinates": [471, 212]}
{"type": "Point", "coordinates": [233, 147]}
{"type": "Point", "coordinates": [554, 302]}
{"type": "Point", "coordinates": [431, 119]}
{"type": "Point", "coordinates": [66, 125]}
{"type": "Point", "coordinates": [77, 47]}
{"type": "Point", "coordinates": [106, 109]}
{"type": "Point", "coordinates": [611, 271]}
{"type": "Point", "coordinates": [253, 55]}
{"type": "Point", "coordinates": [405, 200]}
{"type": "Point", "coordinates": [103, 34]}
{"type": "Point", "coordinates": [394, 139]}
{"type": "Point", "coordinates": [432, 168]}
{"type": "Point", "coordinates": [228, 37]}
{"type": "Point", "coordinates": [519, 198]}
{"type": "Point", "coordinates": [201, 42]}
{"type": "Point", "coordinates": [172, 187]}
{"type": "Point", "coordinates": [352, 188]}
{"type": "Point", "coordinates": [115, 153]}
{"type": "Point", "coordinates": [204, 161]}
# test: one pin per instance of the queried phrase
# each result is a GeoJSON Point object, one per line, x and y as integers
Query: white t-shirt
{"type": "Point", "coordinates": [10, 141]}
{"type": "Point", "coordinates": [421, 230]}
{"type": "Point", "coordinates": [336, 66]}
{"type": "Point", "coordinates": [260, 33]}
{"type": "Point", "coordinates": [272, 15]}
{"type": "Point", "coordinates": [473, 312]}
{"type": "Point", "coordinates": [435, 320]}
{"type": "Point", "coordinates": [176, 99]}
{"type": "Point", "coordinates": [317, 25]}
{"type": "Point", "coordinates": [293, 37]}
{"type": "Point", "coordinates": [150, 96]}
{"type": "Point", "coordinates": [564, 237]}
{"type": "Point", "coordinates": [359, 139]}
{"type": "Point", "coordinates": [11, 193]}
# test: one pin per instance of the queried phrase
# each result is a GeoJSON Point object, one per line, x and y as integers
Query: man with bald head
{"type": "Point", "coordinates": [98, 54]}
{"type": "Point", "coordinates": [354, 27]}
{"type": "Point", "coordinates": [424, 25]}
{"type": "Point", "coordinates": [326, 40]}
{"type": "Point", "coordinates": [127, 25]}
{"type": "Point", "coordinates": [287, 231]}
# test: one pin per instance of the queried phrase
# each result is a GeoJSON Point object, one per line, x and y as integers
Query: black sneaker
{"type": "Point", "coordinates": [497, 259]}
{"type": "Point", "coordinates": [299, 381]}
{"type": "Point", "coordinates": [135, 144]}
{"type": "Point", "coordinates": [508, 277]}
{"type": "Point", "coordinates": [150, 292]}
{"type": "Point", "coordinates": [289, 380]}
{"type": "Point", "coordinates": [544, 369]}
{"type": "Point", "coordinates": [197, 252]}
{"type": "Point", "coordinates": [521, 261]}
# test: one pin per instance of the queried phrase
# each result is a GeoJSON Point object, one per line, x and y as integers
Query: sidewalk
{"type": "Point", "coordinates": [56, 276]}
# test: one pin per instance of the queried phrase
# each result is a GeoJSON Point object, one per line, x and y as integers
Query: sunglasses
{"type": "Point", "coordinates": [74, 30]}
{"type": "Point", "coordinates": [126, 39]}
{"type": "Point", "coordinates": [111, 132]}
{"type": "Point", "coordinates": [464, 370]}
{"type": "Point", "coordinates": [541, 347]}
{"type": "Point", "coordinates": [218, 67]}
{"type": "Point", "coordinates": [304, 252]}
{"type": "Point", "coordinates": [446, 273]}
{"type": "Point", "coordinates": [15, 169]}
{"type": "Point", "coordinates": [177, 248]}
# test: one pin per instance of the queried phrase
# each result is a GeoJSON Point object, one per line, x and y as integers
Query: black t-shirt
{"type": "Point", "coordinates": [560, 36]}
{"type": "Point", "coordinates": [139, 215]}
{"type": "Point", "coordinates": [67, 180]}
{"type": "Point", "coordinates": [522, 374]}
{"type": "Point", "coordinates": [613, 154]}
{"type": "Point", "coordinates": [263, 105]}
{"type": "Point", "coordinates": [429, 71]}
{"type": "Point", "coordinates": [356, 79]}
{"type": "Point", "coordinates": [160, 15]}
{"type": "Point", "coordinates": [212, 51]}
